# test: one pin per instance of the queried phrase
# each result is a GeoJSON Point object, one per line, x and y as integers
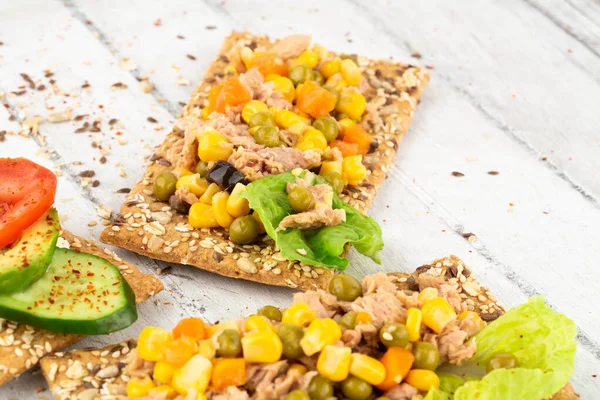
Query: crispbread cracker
{"type": "Point", "coordinates": [395, 90]}
{"type": "Point", "coordinates": [21, 346]}
{"type": "Point", "coordinates": [475, 296]}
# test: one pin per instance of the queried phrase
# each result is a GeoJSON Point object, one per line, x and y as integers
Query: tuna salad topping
{"type": "Point", "coordinates": [358, 341]}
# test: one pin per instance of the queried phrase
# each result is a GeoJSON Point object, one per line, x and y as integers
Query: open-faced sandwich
{"type": "Point", "coordinates": [232, 171]}
{"type": "Point", "coordinates": [54, 286]}
{"type": "Point", "coordinates": [436, 334]}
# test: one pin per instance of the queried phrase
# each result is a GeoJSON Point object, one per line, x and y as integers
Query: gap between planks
{"type": "Point", "coordinates": [102, 38]}
{"type": "Point", "coordinates": [519, 140]}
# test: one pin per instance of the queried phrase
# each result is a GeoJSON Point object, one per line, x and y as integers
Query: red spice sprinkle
{"type": "Point", "coordinates": [158, 22]}
{"type": "Point", "coordinates": [429, 66]}
{"type": "Point", "coordinates": [493, 173]}
{"type": "Point", "coordinates": [191, 57]}
{"type": "Point", "coordinates": [458, 174]}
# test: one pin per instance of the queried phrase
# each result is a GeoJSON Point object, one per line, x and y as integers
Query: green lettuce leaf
{"type": "Point", "coordinates": [543, 342]}
{"type": "Point", "coordinates": [268, 197]}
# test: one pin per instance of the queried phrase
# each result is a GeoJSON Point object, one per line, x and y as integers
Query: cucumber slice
{"type": "Point", "coordinates": [79, 293]}
{"type": "Point", "coordinates": [26, 260]}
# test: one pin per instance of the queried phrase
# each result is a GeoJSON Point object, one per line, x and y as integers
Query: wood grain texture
{"type": "Point", "coordinates": [482, 53]}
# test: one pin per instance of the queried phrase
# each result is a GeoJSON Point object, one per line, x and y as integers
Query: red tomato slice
{"type": "Point", "coordinates": [26, 192]}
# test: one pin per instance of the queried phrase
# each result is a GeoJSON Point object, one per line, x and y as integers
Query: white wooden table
{"type": "Point", "coordinates": [515, 88]}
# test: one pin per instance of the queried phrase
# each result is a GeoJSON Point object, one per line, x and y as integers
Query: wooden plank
{"type": "Point", "coordinates": [578, 18]}
{"type": "Point", "coordinates": [515, 66]}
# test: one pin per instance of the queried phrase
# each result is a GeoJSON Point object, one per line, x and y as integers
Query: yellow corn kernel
{"type": "Point", "coordinates": [351, 72]}
{"type": "Point", "coordinates": [321, 52]}
{"type": "Point", "coordinates": [331, 67]}
{"type": "Point", "coordinates": [437, 313]}
{"type": "Point", "coordinates": [367, 368]}
{"type": "Point", "coordinates": [427, 294]}
{"type": "Point", "coordinates": [353, 169]}
{"type": "Point", "coordinates": [219, 207]}
{"type": "Point", "coordinates": [285, 118]}
{"type": "Point", "coordinates": [352, 104]}
{"type": "Point", "coordinates": [251, 108]}
{"type": "Point", "coordinates": [273, 112]}
{"type": "Point", "coordinates": [297, 128]}
{"type": "Point", "coordinates": [320, 333]}
{"type": "Point", "coordinates": [334, 363]}
{"type": "Point", "coordinates": [257, 323]}
{"type": "Point", "coordinates": [202, 216]}
{"type": "Point", "coordinates": [139, 387]}
{"type": "Point", "coordinates": [163, 372]}
{"type": "Point", "coordinates": [152, 341]}
{"type": "Point", "coordinates": [194, 183]}
{"type": "Point", "coordinates": [299, 314]}
{"type": "Point", "coordinates": [476, 327]}
{"type": "Point", "coordinates": [337, 82]}
{"type": "Point", "coordinates": [283, 85]}
{"type": "Point", "coordinates": [413, 324]}
{"type": "Point", "coordinates": [247, 56]}
{"type": "Point", "coordinates": [346, 123]}
{"type": "Point", "coordinates": [259, 223]}
{"type": "Point", "coordinates": [166, 391]}
{"type": "Point", "coordinates": [238, 206]}
{"type": "Point", "coordinates": [231, 69]}
{"type": "Point", "coordinates": [423, 379]}
{"type": "Point", "coordinates": [206, 111]}
{"type": "Point", "coordinates": [308, 58]}
{"type": "Point", "coordinates": [211, 190]}
{"type": "Point", "coordinates": [206, 348]}
{"type": "Point", "coordinates": [179, 172]}
{"type": "Point", "coordinates": [221, 326]}
{"type": "Point", "coordinates": [331, 166]}
{"type": "Point", "coordinates": [262, 347]}
{"type": "Point", "coordinates": [363, 318]}
{"type": "Point", "coordinates": [195, 374]}
{"type": "Point", "coordinates": [200, 396]}
{"type": "Point", "coordinates": [212, 146]}
{"type": "Point", "coordinates": [312, 138]}
{"type": "Point", "coordinates": [298, 367]}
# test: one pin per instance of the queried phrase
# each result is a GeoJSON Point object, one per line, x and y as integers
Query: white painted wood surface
{"type": "Point", "coordinates": [515, 88]}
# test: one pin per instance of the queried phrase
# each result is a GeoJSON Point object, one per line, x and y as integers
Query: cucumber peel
{"type": "Point", "coordinates": [79, 294]}
{"type": "Point", "coordinates": [27, 259]}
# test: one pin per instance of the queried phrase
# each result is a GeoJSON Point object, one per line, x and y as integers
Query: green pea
{"type": "Point", "coordinates": [300, 74]}
{"type": "Point", "coordinates": [202, 169]}
{"type": "Point", "coordinates": [335, 180]}
{"type": "Point", "coordinates": [426, 355]}
{"type": "Point", "coordinates": [267, 136]}
{"type": "Point", "coordinates": [318, 78]}
{"type": "Point", "coordinates": [345, 287]}
{"type": "Point", "coordinates": [393, 335]}
{"type": "Point", "coordinates": [290, 336]}
{"type": "Point", "coordinates": [297, 395]}
{"type": "Point", "coordinates": [356, 389]}
{"type": "Point", "coordinates": [243, 230]}
{"type": "Point", "coordinates": [340, 116]}
{"type": "Point", "coordinates": [229, 342]}
{"type": "Point", "coordinates": [320, 388]}
{"type": "Point", "coordinates": [348, 320]}
{"type": "Point", "coordinates": [164, 185]}
{"type": "Point", "coordinates": [502, 360]}
{"type": "Point", "coordinates": [301, 199]}
{"type": "Point", "coordinates": [262, 118]}
{"type": "Point", "coordinates": [271, 312]}
{"type": "Point", "coordinates": [328, 127]}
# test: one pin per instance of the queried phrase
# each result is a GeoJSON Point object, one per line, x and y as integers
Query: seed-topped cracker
{"type": "Point", "coordinates": [79, 374]}
{"type": "Point", "coordinates": [150, 227]}
{"type": "Point", "coordinates": [22, 346]}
